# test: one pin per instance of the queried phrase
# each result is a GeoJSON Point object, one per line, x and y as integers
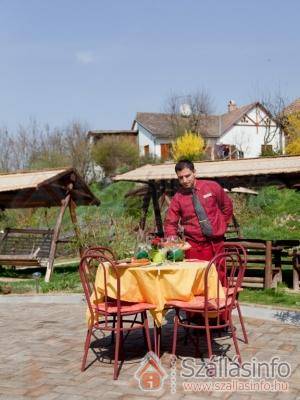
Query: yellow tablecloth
{"type": "Point", "coordinates": [158, 284]}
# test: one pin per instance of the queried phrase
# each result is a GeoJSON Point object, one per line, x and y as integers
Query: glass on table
{"type": "Point", "coordinates": [142, 251]}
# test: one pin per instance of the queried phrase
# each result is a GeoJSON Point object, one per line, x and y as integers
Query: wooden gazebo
{"type": "Point", "coordinates": [161, 182]}
{"type": "Point", "coordinates": [62, 188]}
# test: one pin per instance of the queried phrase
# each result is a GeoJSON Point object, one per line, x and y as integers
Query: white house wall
{"type": "Point", "coordinates": [250, 138]}
{"type": "Point", "coordinates": [145, 138]}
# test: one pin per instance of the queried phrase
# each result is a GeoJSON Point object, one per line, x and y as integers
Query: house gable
{"type": "Point", "coordinates": [253, 129]}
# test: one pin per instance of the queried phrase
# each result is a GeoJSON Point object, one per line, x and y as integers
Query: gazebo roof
{"type": "Point", "coordinates": [43, 188]}
{"type": "Point", "coordinates": [230, 173]}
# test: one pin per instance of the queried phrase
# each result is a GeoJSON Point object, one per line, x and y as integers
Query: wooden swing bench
{"type": "Point", "coordinates": [25, 247]}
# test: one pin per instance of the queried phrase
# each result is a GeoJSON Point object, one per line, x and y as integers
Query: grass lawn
{"type": "Point", "coordinates": [64, 279]}
{"type": "Point", "coordinates": [275, 297]}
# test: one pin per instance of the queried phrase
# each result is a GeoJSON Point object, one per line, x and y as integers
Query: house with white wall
{"type": "Point", "coordinates": [241, 132]}
{"type": "Point", "coordinates": [245, 131]}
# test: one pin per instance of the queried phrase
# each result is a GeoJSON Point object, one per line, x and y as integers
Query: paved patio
{"type": "Point", "coordinates": [42, 345]}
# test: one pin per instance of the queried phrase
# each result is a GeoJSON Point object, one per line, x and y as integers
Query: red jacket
{"type": "Point", "coordinates": [216, 202]}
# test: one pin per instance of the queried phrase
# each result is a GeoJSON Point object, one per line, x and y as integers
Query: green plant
{"type": "Point", "coordinates": [272, 214]}
{"type": "Point", "coordinates": [113, 154]}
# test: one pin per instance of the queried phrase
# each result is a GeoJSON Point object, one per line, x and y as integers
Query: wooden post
{"type": "Point", "coordinates": [158, 220]}
{"type": "Point", "coordinates": [296, 270]}
{"type": "Point", "coordinates": [268, 265]}
{"type": "Point", "coordinates": [145, 207]}
{"type": "Point", "coordinates": [278, 266]}
{"type": "Point", "coordinates": [72, 209]}
{"type": "Point", "coordinates": [64, 205]}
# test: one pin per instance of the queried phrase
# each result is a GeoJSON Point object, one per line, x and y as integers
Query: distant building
{"type": "Point", "coordinates": [95, 136]}
{"type": "Point", "coordinates": [242, 132]}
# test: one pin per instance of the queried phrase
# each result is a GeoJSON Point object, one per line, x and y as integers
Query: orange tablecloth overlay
{"type": "Point", "coordinates": [159, 284]}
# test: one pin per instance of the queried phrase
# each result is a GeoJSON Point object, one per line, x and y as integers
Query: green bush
{"type": "Point", "coordinates": [272, 214]}
{"type": "Point", "coordinates": [115, 155]}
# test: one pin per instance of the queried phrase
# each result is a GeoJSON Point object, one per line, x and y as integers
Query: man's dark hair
{"type": "Point", "coordinates": [184, 164]}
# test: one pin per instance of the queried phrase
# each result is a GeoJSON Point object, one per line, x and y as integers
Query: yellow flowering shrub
{"type": "Point", "coordinates": [292, 125]}
{"type": "Point", "coordinates": [292, 128]}
{"type": "Point", "coordinates": [190, 146]}
{"type": "Point", "coordinates": [293, 148]}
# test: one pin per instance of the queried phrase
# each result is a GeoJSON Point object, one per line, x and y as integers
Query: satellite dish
{"type": "Point", "coordinates": [185, 110]}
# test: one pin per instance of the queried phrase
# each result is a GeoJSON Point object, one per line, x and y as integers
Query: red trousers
{"type": "Point", "coordinates": [206, 251]}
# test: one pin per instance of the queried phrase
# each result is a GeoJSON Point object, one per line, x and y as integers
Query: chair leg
{"type": "Point", "coordinates": [117, 349]}
{"type": "Point", "coordinates": [157, 339]}
{"type": "Point", "coordinates": [242, 323]}
{"type": "Point", "coordinates": [121, 340]}
{"type": "Point", "coordinates": [146, 330]}
{"type": "Point", "coordinates": [175, 330]}
{"type": "Point", "coordinates": [237, 350]}
{"type": "Point", "coordinates": [86, 348]}
{"type": "Point", "coordinates": [187, 331]}
{"type": "Point", "coordinates": [112, 341]}
{"type": "Point", "coordinates": [208, 338]}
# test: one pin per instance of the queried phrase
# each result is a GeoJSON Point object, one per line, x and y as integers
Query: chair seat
{"type": "Point", "coordinates": [198, 303]}
{"type": "Point", "coordinates": [229, 291]}
{"type": "Point", "coordinates": [126, 307]}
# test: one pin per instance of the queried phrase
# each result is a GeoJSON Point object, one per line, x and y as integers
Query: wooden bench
{"type": "Point", "coordinates": [25, 247]}
{"type": "Point", "coordinates": [267, 256]}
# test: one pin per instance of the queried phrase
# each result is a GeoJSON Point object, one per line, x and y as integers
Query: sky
{"type": "Point", "coordinates": [101, 62]}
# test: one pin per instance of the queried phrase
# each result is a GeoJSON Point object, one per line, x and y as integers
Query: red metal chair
{"type": "Point", "coordinates": [107, 314]}
{"type": "Point", "coordinates": [216, 312]}
{"type": "Point", "coordinates": [230, 283]}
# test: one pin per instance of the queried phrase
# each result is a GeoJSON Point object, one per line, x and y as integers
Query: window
{"type": "Point", "coordinates": [146, 150]}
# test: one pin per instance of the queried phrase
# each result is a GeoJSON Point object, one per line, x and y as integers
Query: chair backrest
{"type": "Point", "coordinates": [241, 257]}
{"type": "Point", "coordinates": [219, 305]}
{"type": "Point", "coordinates": [102, 250]}
{"type": "Point", "coordinates": [91, 264]}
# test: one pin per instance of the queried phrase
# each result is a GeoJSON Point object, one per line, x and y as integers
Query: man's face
{"type": "Point", "coordinates": [186, 178]}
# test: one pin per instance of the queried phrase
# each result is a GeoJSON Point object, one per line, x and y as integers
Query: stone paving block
{"type": "Point", "coordinates": [39, 391]}
{"type": "Point", "coordinates": [49, 396]}
{"type": "Point", "coordinates": [290, 395]}
{"type": "Point", "coordinates": [240, 396]}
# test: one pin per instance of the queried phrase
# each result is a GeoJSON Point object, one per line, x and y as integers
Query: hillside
{"type": "Point", "coordinates": [273, 214]}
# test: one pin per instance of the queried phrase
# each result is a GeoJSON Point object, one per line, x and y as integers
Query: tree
{"type": "Point", "coordinates": [190, 146]}
{"type": "Point", "coordinates": [275, 103]}
{"type": "Point", "coordinates": [198, 106]}
{"type": "Point", "coordinates": [6, 150]}
{"type": "Point", "coordinates": [114, 154]}
{"type": "Point", "coordinates": [78, 149]}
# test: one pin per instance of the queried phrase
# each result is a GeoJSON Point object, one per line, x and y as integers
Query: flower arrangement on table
{"type": "Point", "coordinates": [160, 249]}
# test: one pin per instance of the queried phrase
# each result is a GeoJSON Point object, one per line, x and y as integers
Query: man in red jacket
{"type": "Point", "coordinates": [203, 209]}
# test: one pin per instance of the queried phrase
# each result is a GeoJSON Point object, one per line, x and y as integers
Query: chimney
{"type": "Point", "coordinates": [231, 105]}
